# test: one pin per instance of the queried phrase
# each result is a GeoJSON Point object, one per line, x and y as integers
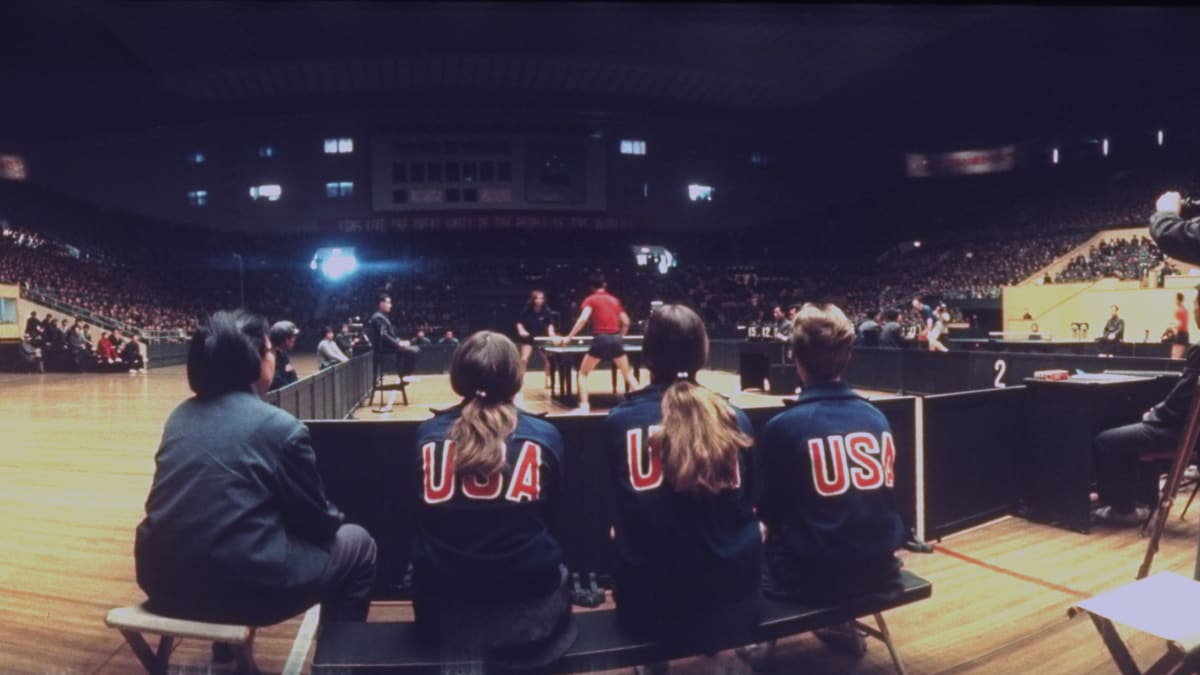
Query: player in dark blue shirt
{"type": "Point", "coordinates": [688, 542]}
{"type": "Point", "coordinates": [829, 466]}
{"type": "Point", "coordinates": [488, 577]}
{"type": "Point", "coordinates": [536, 321]}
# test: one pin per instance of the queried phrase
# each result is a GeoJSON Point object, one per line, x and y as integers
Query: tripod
{"type": "Point", "coordinates": [1183, 456]}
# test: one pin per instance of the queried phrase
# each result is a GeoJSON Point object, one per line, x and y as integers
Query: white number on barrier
{"type": "Point", "coordinates": [1001, 368]}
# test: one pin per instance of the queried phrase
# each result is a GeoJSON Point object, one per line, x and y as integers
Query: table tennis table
{"type": "Point", "coordinates": [564, 360]}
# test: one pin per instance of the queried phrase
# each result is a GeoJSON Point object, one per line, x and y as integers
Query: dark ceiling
{"type": "Point", "coordinates": [928, 74]}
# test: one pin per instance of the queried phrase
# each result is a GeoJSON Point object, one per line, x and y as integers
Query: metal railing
{"type": "Point", "coordinates": [328, 394]}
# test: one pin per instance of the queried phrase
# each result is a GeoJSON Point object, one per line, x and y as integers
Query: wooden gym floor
{"type": "Point", "coordinates": [77, 455]}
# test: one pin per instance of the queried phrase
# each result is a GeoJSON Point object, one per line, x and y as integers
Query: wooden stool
{"type": "Point", "coordinates": [133, 621]}
{"type": "Point", "coordinates": [1158, 605]}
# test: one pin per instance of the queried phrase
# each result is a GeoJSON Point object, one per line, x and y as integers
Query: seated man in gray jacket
{"type": "Point", "coordinates": [329, 354]}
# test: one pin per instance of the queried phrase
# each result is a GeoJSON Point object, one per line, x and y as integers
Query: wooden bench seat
{"type": "Point", "coordinates": [602, 644]}
{"type": "Point", "coordinates": [136, 620]}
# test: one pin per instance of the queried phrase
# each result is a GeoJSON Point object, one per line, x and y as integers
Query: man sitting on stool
{"type": "Point", "coordinates": [383, 337]}
{"type": "Point", "coordinates": [1117, 450]}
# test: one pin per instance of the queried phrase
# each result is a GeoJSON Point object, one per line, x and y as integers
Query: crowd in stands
{"type": "Point", "coordinates": [1130, 259]}
{"type": "Point", "coordinates": [148, 281]}
{"type": "Point", "coordinates": [63, 343]}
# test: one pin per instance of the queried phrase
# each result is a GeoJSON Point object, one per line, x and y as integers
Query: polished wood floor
{"type": "Point", "coordinates": [76, 457]}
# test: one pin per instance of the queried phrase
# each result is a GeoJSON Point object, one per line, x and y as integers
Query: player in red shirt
{"type": "Point", "coordinates": [610, 323]}
{"type": "Point", "coordinates": [1180, 344]}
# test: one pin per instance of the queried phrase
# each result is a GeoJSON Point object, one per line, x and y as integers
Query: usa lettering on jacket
{"type": "Point", "coordinates": [522, 484]}
{"type": "Point", "coordinates": [644, 460]}
{"type": "Point", "coordinates": [860, 459]}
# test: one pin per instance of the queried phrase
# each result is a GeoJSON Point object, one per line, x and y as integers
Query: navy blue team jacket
{"type": "Point", "coordinates": [489, 539]}
{"type": "Point", "coordinates": [676, 549]}
{"type": "Point", "coordinates": [828, 469]}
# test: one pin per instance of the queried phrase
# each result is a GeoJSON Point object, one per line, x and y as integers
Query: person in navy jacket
{"type": "Point", "coordinates": [829, 466]}
{"type": "Point", "coordinates": [688, 542]}
{"type": "Point", "coordinates": [488, 578]}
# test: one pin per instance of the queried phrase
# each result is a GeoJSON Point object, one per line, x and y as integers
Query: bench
{"type": "Point", "coordinates": [136, 620]}
{"type": "Point", "coordinates": [345, 648]}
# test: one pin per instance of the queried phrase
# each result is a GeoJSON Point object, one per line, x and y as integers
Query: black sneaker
{"type": "Point", "coordinates": [222, 652]}
{"type": "Point", "coordinates": [843, 638]}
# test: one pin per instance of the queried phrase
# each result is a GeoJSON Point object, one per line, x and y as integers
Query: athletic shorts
{"type": "Point", "coordinates": [607, 347]}
{"type": "Point", "coordinates": [1181, 338]}
{"type": "Point", "coordinates": [525, 340]}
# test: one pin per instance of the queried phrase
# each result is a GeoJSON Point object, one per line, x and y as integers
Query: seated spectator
{"type": "Point", "coordinates": [328, 352]}
{"type": "Point", "coordinates": [238, 528]}
{"type": "Point", "coordinates": [131, 355]}
{"type": "Point", "coordinates": [283, 337]}
{"type": "Point", "coordinates": [1126, 486]}
{"type": "Point", "coordinates": [869, 330]}
{"type": "Point", "coordinates": [106, 353]}
{"type": "Point", "coordinates": [420, 339]}
{"type": "Point", "coordinates": [488, 577]}
{"type": "Point", "coordinates": [891, 335]}
{"type": "Point", "coordinates": [448, 338]}
{"type": "Point", "coordinates": [1034, 332]}
{"type": "Point", "coordinates": [828, 467]}
{"type": "Point", "coordinates": [689, 547]}
{"type": "Point", "coordinates": [31, 356]}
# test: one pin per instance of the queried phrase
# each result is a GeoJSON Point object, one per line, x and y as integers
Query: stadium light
{"type": "Point", "coordinates": [1160, 137]}
{"type": "Point", "coordinates": [1054, 156]}
{"type": "Point", "coordinates": [1104, 147]}
{"type": "Point", "coordinates": [334, 263]}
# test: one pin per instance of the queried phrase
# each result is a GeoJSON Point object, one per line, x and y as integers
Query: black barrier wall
{"type": "Point", "coordinates": [924, 372]}
{"type": "Point", "coordinates": [329, 394]}
{"type": "Point", "coordinates": [160, 355]}
{"type": "Point", "coordinates": [971, 444]}
{"type": "Point", "coordinates": [370, 470]}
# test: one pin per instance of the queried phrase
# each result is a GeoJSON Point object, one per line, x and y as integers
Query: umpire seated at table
{"type": "Point", "coordinates": [1125, 493]}
{"type": "Point", "coordinates": [238, 528]}
{"type": "Point", "coordinates": [383, 336]}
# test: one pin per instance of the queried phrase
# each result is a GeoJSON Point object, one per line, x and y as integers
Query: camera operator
{"type": "Point", "coordinates": [352, 342]}
{"type": "Point", "coordinates": [1175, 235]}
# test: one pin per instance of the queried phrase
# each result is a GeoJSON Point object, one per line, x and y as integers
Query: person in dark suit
{"type": "Point", "coordinates": [33, 326]}
{"type": "Point", "coordinates": [870, 330]}
{"type": "Point", "coordinates": [383, 337]}
{"type": "Point", "coordinates": [1125, 495]}
{"type": "Point", "coordinates": [891, 335]}
{"type": "Point", "coordinates": [283, 337]}
{"type": "Point", "coordinates": [238, 528]}
{"type": "Point", "coordinates": [1114, 332]}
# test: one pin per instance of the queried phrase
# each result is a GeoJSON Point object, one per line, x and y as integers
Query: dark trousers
{"type": "Point", "coordinates": [403, 361]}
{"type": "Point", "coordinates": [1121, 480]}
{"type": "Point", "coordinates": [344, 591]}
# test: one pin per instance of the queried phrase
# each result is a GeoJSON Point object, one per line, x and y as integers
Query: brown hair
{"type": "Point", "coordinates": [486, 371]}
{"type": "Point", "coordinates": [822, 341]}
{"type": "Point", "coordinates": [700, 437]}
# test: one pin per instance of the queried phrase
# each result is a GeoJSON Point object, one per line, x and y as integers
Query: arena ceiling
{"type": "Point", "coordinates": [75, 68]}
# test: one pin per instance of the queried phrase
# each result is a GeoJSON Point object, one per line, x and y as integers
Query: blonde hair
{"type": "Point", "coordinates": [700, 437]}
{"type": "Point", "coordinates": [486, 371]}
{"type": "Point", "coordinates": [822, 341]}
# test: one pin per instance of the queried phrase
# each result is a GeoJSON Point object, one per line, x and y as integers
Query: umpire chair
{"type": "Point", "coordinates": [378, 362]}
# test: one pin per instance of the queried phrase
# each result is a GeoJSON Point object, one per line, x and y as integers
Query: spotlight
{"type": "Point", "coordinates": [334, 263]}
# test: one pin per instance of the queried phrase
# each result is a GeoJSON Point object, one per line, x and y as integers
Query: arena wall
{"type": "Point", "coordinates": [11, 331]}
{"type": "Point", "coordinates": [1055, 307]}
